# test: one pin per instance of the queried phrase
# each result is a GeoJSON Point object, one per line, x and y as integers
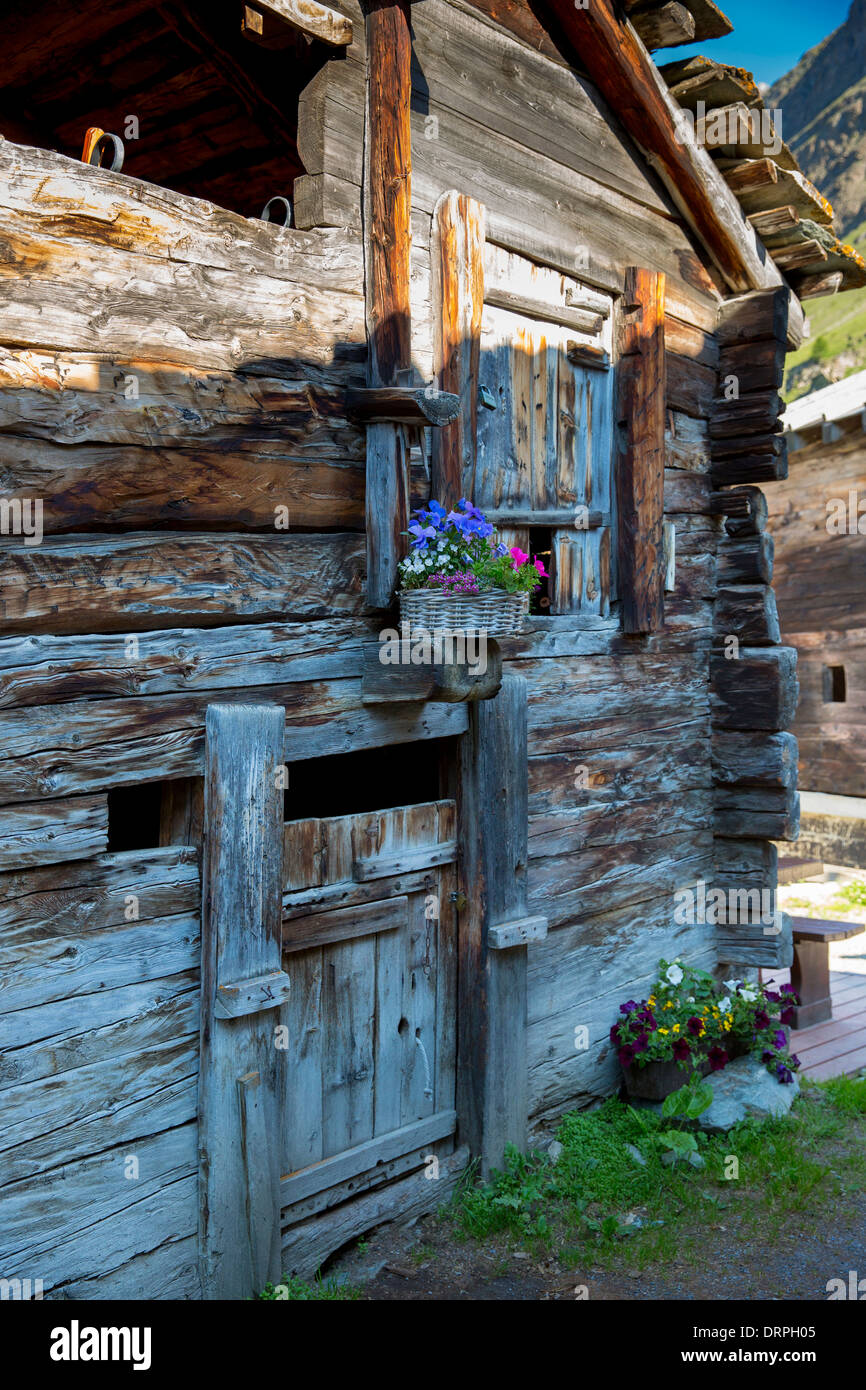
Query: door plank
{"type": "Point", "coordinates": [345, 924]}
{"type": "Point", "coordinates": [239, 1173]}
{"type": "Point", "coordinates": [295, 1187]}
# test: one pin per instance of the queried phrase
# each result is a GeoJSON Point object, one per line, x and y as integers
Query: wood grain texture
{"type": "Point", "coordinates": [492, 1104]}
{"type": "Point", "coordinates": [132, 582]}
{"type": "Point", "coordinates": [640, 471]}
{"type": "Point", "coordinates": [757, 690]}
{"type": "Point", "coordinates": [317, 21]}
{"type": "Point", "coordinates": [53, 831]}
{"type": "Point", "coordinates": [242, 1080]}
{"type": "Point", "coordinates": [457, 295]}
{"type": "Point", "coordinates": [388, 242]}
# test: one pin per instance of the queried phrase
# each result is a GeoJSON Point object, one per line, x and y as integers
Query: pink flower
{"type": "Point", "coordinates": [539, 565]}
{"type": "Point", "coordinates": [518, 556]}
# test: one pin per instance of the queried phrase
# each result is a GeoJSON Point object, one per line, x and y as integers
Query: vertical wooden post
{"type": "Point", "coordinates": [458, 303]}
{"type": "Point", "coordinates": [641, 463]}
{"type": "Point", "coordinates": [387, 242]}
{"type": "Point", "coordinates": [492, 809]}
{"type": "Point", "coordinates": [241, 1080]}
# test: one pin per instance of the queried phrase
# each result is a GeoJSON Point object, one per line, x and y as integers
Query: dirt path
{"type": "Point", "coordinates": [794, 1260]}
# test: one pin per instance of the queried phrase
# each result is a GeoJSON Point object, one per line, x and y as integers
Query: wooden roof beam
{"type": "Point", "coordinates": [665, 26]}
{"type": "Point", "coordinates": [267, 22]}
{"type": "Point", "coordinates": [614, 58]}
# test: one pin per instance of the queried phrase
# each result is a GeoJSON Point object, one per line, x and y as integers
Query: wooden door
{"type": "Point", "coordinates": [369, 942]}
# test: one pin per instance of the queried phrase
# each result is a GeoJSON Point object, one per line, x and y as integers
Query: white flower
{"type": "Point", "coordinates": [691, 999]}
{"type": "Point", "coordinates": [724, 1004]}
{"type": "Point", "coordinates": [674, 974]}
{"type": "Point", "coordinates": [749, 995]}
{"type": "Point", "coordinates": [731, 986]}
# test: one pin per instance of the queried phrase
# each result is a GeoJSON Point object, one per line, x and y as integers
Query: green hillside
{"type": "Point", "coordinates": [837, 341]}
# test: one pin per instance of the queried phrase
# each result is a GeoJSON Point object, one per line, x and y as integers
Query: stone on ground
{"type": "Point", "coordinates": [744, 1088]}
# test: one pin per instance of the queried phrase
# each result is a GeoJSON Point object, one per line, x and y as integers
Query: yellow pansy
{"type": "Point", "coordinates": [676, 1027]}
{"type": "Point", "coordinates": [664, 1030]}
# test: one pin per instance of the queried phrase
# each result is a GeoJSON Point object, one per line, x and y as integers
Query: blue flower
{"type": "Point", "coordinates": [420, 535]}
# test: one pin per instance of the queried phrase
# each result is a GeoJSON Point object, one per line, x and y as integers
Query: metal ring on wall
{"type": "Point", "coordinates": [117, 152]}
{"type": "Point", "coordinates": [287, 211]}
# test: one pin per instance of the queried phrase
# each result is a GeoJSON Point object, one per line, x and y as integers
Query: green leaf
{"type": "Point", "coordinates": [700, 1100]}
{"type": "Point", "coordinates": [679, 1140]}
{"type": "Point", "coordinates": [673, 1104]}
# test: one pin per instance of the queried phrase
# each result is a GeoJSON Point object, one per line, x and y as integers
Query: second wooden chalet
{"type": "Point", "coordinates": [818, 521]}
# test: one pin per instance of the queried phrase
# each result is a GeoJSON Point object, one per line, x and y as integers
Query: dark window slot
{"type": "Point", "coordinates": [835, 685]}
{"type": "Point", "coordinates": [134, 816]}
{"type": "Point", "coordinates": [541, 547]}
{"type": "Point", "coordinates": [372, 779]}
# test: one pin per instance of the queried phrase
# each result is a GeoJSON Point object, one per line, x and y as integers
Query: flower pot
{"type": "Point", "coordinates": [495, 612]}
{"type": "Point", "coordinates": [657, 1079]}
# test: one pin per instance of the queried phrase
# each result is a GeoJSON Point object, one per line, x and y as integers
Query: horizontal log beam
{"type": "Point", "coordinates": [665, 27]}
{"type": "Point", "coordinates": [765, 465]}
{"type": "Point", "coordinates": [136, 581]}
{"type": "Point", "coordinates": [53, 832]}
{"type": "Point", "coordinates": [769, 313]}
{"type": "Point", "coordinates": [745, 510]}
{"type": "Point", "coordinates": [743, 759]}
{"type": "Point", "coordinates": [561, 518]}
{"type": "Point", "coordinates": [581, 320]}
{"type": "Point", "coordinates": [89, 745]}
{"type": "Point", "coordinates": [587, 355]}
{"type": "Point", "coordinates": [452, 679]}
{"type": "Point", "coordinates": [746, 560]}
{"type": "Point", "coordinates": [756, 690]}
{"type": "Point", "coordinates": [744, 414]}
{"type": "Point", "coordinates": [404, 405]}
{"type": "Point", "coordinates": [772, 816]}
{"type": "Point", "coordinates": [757, 944]}
{"type": "Point", "coordinates": [264, 20]}
{"type": "Point", "coordinates": [749, 614]}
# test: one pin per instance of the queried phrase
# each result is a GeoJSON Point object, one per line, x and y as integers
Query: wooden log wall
{"type": "Point", "coordinates": [175, 380]}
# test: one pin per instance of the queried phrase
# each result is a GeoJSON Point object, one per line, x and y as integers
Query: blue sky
{"type": "Point", "coordinates": [769, 36]}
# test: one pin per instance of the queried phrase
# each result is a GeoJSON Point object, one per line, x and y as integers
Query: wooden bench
{"type": "Point", "coordinates": [810, 972]}
{"type": "Point", "coordinates": [795, 870]}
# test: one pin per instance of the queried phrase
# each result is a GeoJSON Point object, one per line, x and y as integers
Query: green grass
{"type": "Point", "coordinates": [852, 894]}
{"type": "Point", "coordinates": [808, 1159]}
{"type": "Point", "coordinates": [298, 1290]}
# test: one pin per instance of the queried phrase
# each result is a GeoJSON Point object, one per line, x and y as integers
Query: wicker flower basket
{"type": "Point", "coordinates": [495, 612]}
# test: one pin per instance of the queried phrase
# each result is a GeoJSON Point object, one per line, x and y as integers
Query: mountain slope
{"type": "Point", "coordinates": [823, 105]}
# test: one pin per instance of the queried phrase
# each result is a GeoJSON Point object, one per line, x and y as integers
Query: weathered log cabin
{"type": "Point", "coordinates": [818, 521]}
{"type": "Point", "coordinates": [284, 943]}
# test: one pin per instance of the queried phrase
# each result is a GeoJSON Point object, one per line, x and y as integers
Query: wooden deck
{"type": "Point", "coordinates": [837, 1047]}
